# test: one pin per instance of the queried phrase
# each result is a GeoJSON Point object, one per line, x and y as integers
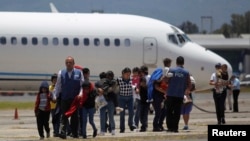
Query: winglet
{"type": "Point", "coordinates": [53, 8]}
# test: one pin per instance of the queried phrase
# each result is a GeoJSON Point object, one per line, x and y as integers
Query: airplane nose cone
{"type": "Point", "coordinates": [203, 64]}
{"type": "Point", "coordinates": [218, 59]}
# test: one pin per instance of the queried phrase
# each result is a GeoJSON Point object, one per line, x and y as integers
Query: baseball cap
{"type": "Point", "coordinates": [218, 65]}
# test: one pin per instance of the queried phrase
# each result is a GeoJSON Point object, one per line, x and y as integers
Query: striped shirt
{"type": "Point", "coordinates": [43, 101]}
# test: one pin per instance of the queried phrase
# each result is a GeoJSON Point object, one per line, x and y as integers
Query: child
{"type": "Point", "coordinates": [42, 109]}
{"type": "Point", "coordinates": [135, 84]}
{"type": "Point", "coordinates": [54, 108]}
{"type": "Point", "coordinates": [187, 107]}
{"type": "Point", "coordinates": [88, 108]}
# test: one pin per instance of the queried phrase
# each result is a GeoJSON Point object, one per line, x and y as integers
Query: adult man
{"type": "Point", "coordinates": [236, 92]}
{"type": "Point", "coordinates": [178, 86]}
{"type": "Point", "coordinates": [125, 99]}
{"type": "Point", "coordinates": [220, 80]}
{"type": "Point", "coordinates": [68, 85]}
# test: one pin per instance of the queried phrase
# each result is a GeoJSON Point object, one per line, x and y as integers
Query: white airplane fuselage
{"type": "Point", "coordinates": [33, 46]}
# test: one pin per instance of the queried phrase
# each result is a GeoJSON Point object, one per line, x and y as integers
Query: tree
{"type": "Point", "coordinates": [189, 27]}
{"type": "Point", "coordinates": [247, 22]}
{"type": "Point", "coordinates": [239, 24]}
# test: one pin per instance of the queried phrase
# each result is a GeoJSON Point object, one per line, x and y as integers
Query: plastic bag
{"type": "Point", "coordinates": [100, 102]}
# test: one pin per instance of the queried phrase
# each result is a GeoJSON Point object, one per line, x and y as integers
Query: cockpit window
{"type": "Point", "coordinates": [181, 39]}
{"type": "Point", "coordinates": [186, 37]}
{"type": "Point", "coordinates": [178, 39]}
{"type": "Point", "coordinates": [172, 39]}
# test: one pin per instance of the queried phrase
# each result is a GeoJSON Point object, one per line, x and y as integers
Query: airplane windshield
{"type": "Point", "coordinates": [172, 39]}
{"type": "Point", "coordinates": [178, 39]}
{"type": "Point", "coordinates": [186, 37]}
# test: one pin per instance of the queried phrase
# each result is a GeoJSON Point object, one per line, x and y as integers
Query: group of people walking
{"type": "Point", "coordinates": [73, 97]}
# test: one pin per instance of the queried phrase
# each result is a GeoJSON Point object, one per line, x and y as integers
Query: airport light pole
{"type": "Point", "coordinates": [210, 18]}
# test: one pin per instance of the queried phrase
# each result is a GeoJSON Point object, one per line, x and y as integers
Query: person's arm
{"type": "Point", "coordinates": [189, 85]}
{"type": "Point", "coordinates": [37, 102]}
{"type": "Point", "coordinates": [213, 80]}
{"type": "Point", "coordinates": [81, 81]}
{"type": "Point", "coordinates": [158, 88]}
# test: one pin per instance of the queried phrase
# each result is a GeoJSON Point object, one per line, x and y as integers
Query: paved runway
{"type": "Point", "coordinates": [24, 128]}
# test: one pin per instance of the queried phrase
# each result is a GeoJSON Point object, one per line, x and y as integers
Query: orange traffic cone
{"type": "Point", "coordinates": [16, 114]}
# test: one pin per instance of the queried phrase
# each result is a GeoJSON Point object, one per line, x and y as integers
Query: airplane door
{"type": "Point", "coordinates": [149, 51]}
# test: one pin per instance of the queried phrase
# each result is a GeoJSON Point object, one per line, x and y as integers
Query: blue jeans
{"type": "Point", "coordinates": [137, 112]}
{"type": "Point", "coordinates": [87, 112]}
{"type": "Point", "coordinates": [111, 109]}
{"type": "Point", "coordinates": [126, 102]}
{"type": "Point", "coordinates": [55, 121]}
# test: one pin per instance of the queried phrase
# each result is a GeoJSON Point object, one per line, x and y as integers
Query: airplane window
{"type": "Point", "coordinates": [55, 41]}
{"type": "Point", "coordinates": [127, 42]}
{"type": "Point", "coordinates": [65, 41]}
{"type": "Point", "coordinates": [181, 39]}
{"type": "Point", "coordinates": [24, 41]}
{"type": "Point", "coordinates": [34, 41]}
{"type": "Point", "coordinates": [96, 42]}
{"type": "Point", "coordinates": [117, 42]}
{"type": "Point", "coordinates": [76, 41]}
{"type": "Point", "coordinates": [86, 41]}
{"type": "Point", "coordinates": [13, 40]}
{"type": "Point", "coordinates": [172, 39]}
{"type": "Point", "coordinates": [106, 42]}
{"type": "Point", "coordinates": [3, 40]}
{"type": "Point", "coordinates": [45, 41]}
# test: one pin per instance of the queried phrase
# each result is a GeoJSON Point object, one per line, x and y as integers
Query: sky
{"type": "Point", "coordinates": [172, 11]}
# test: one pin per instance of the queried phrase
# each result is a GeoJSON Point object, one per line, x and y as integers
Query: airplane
{"type": "Point", "coordinates": [34, 45]}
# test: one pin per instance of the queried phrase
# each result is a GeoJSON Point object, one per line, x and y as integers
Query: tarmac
{"type": "Point", "coordinates": [20, 125]}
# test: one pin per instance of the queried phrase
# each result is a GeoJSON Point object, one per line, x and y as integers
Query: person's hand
{"type": "Point", "coordinates": [100, 91]}
{"type": "Point", "coordinates": [187, 92]}
{"type": "Point", "coordinates": [36, 113]}
{"type": "Point", "coordinates": [137, 91]}
{"type": "Point", "coordinates": [165, 96]}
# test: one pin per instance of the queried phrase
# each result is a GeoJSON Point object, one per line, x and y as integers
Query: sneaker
{"type": "Point", "coordinates": [48, 135]}
{"type": "Point", "coordinates": [223, 121]}
{"type": "Point", "coordinates": [185, 127]}
{"type": "Point", "coordinates": [132, 128]}
{"type": "Point", "coordinates": [84, 136]}
{"type": "Point", "coordinates": [118, 110]}
{"type": "Point", "coordinates": [41, 138]}
{"type": "Point", "coordinates": [142, 130]}
{"type": "Point", "coordinates": [149, 100]}
{"type": "Point", "coordinates": [162, 128]}
{"type": "Point", "coordinates": [157, 130]}
{"type": "Point", "coordinates": [94, 133]}
{"type": "Point", "coordinates": [113, 132]}
{"type": "Point", "coordinates": [101, 134]}
{"type": "Point", "coordinates": [62, 136]}
{"type": "Point", "coordinates": [122, 131]}
{"type": "Point", "coordinates": [55, 135]}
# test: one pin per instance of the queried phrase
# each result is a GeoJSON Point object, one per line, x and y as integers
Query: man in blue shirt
{"type": "Point", "coordinates": [178, 86]}
{"type": "Point", "coordinates": [68, 86]}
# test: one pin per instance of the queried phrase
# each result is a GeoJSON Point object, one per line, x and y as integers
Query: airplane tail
{"type": "Point", "coordinates": [53, 8]}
